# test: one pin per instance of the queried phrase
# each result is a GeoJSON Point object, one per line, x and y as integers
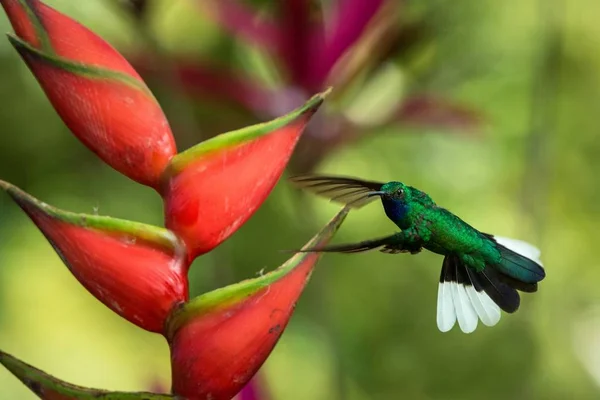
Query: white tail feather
{"type": "Point", "coordinates": [462, 303]}
{"type": "Point", "coordinates": [465, 313]}
{"type": "Point", "coordinates": [446, 315]}
{"type": "Point", "coordinates": [488, 311]}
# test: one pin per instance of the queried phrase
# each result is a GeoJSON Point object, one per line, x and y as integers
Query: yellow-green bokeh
{"type": "Point", "coordinates": [365, 327]}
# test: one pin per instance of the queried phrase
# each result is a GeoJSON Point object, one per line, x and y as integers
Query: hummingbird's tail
{"type": "Point", "coordinates": [467, 296]}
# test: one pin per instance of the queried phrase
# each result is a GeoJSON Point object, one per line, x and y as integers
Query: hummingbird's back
{"type": "Point", "coordinates": [452, 235]}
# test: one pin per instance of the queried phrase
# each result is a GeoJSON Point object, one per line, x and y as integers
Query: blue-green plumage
{"type": "Point", "coordinates": [475, 261]}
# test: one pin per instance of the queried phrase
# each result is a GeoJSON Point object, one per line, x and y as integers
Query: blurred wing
{"type": "Point", "coordinates": [359, 247]}
{"type": "Point", "coordinates": [392, 244]}
{"type": "Point", "coordinates": [349, 191]}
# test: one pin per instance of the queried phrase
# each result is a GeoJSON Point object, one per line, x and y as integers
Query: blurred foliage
{"type": "Point", "coordinates": [365, 327]}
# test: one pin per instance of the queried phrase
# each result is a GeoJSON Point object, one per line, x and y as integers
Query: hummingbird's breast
{"type": "Point", "coordinates": [397, 211]}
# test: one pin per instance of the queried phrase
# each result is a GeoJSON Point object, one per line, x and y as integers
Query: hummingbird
{"type": "Point", "coordinates": [481, 274]}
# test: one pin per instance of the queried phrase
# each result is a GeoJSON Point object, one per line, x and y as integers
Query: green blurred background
{"type": "Point", "coordinates": [365, 326]}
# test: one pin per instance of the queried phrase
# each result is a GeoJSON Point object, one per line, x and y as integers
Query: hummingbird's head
{"type": "Point", "coordinates": [395, 197]}
{"type": "Point", "coordinates": [395, 191]}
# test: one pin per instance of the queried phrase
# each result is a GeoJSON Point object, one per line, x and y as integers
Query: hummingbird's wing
{"type": "Point", "coordinates": [389, 244]}
{"type": "Point", "coordinates": [349, 191]}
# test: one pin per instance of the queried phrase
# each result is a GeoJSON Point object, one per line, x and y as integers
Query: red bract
{"type": "Point", "coordinates": [213, 188]}
{"type": "Point", "coordinates": [220, 339]}
{"type": "Point", "coordinates": [137, 270]}
{"type": "Point", "coordinates": [94, 89]}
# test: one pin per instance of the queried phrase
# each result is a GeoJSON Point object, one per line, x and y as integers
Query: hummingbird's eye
{"type": "Point", "coordinates": [400, 192]}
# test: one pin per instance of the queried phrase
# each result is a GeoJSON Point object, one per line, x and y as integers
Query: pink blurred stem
{"type": "Point", "coordinates": [201, 80]}
{"type": "Point", "coordinates": [433, 111]}
{"type": "Point", "coordinates": [254, 390]}
{"type": "Point", "coordinates": [349, 20]}
{"type": "Point", "coordinates": [243, 22]}
{"type": "Point", "coordinates": [300, 37]}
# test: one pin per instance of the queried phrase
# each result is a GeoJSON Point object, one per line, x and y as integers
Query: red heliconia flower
{"type": "Point", "coordinates": [96, 92]}
{"type": "Point", "coordinates": [220, 339]}
{"type": "Point", "coordinates": [47, 387]}
{"type": "Point", "coordinates": [137, 270]}
{"type": "Point", "coordinates": [211, 189]}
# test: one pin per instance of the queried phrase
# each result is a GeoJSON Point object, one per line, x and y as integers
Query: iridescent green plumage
{"type": "Point", "coordinates": [472, 258]}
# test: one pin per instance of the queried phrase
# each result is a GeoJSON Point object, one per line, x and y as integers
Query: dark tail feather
{"type": "Point", "coordinates": [489, 281]}
{"type": "Point", "coordinates": [497, 288]}
{"type": "Point", "coordinates": [520, 286]}
{"type": "Point", "coordinates": [501, 287]}
{"type": "Point", "coordinates": [519, 261]}
{"type": "Point", "coordinates": [520, 268]}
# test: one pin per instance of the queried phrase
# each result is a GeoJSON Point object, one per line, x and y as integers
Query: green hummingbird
{"type": "Point", "coordinates": [481, 273]}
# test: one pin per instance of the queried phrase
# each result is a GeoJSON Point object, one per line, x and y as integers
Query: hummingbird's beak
{"type": "Point", "coordinates": [377, 193]}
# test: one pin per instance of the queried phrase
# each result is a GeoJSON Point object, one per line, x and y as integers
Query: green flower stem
{"type": "Point", "coordinates": [44, 385]}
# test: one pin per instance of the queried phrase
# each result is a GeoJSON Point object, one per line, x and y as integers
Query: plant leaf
{"type": "Point", "coordinates": [47, 387]}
